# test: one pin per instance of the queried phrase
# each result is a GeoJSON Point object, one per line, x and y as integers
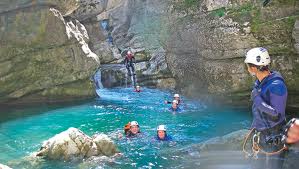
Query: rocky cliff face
{"type": "Point", "coordinates": [42, 58]}
{"type": "Point", "coordinates": [207, 45]}
{"type": "Point", "coordinates": [38, 62]}
{"type": "Point", "coordinates": [197, 47]}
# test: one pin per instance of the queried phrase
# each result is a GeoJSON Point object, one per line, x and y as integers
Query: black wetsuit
{"type": "Point", "coordinates": [129, 62]}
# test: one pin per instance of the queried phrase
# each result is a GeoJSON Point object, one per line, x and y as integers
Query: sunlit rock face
{"type": "Point", "coordinates": [74, 144]}
{"type": "Point", "coordinates": [4, 166]}
{"type": "Point", "coordinates": [38, 61]}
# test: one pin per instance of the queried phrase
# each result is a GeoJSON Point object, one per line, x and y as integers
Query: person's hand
{"type": "Point", "coordinates": [254, 93]}
{"type": "Point", "coordinates": [165, 101]}
{"type": "Point", "coordinates": [293, 133]}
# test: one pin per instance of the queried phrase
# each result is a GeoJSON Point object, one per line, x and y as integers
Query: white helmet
{"type": "Point", "coordinates": [134, 123]}
{"type": "Point", "coordinates": [176, 95]}
{"type": "Point", "coordinates": [175, 101]}
{"type": "Point", "coordinates": [137, 86]}
{"type": "Point", "coordinates": [129, 52]}
{"type": "Point", "coordinates": [161, 127]}
{"type": "Point", "coordinates": [258, 56]}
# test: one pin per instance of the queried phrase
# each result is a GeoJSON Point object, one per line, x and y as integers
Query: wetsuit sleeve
{"type": "Point", "coordinates": [168, 102]}
{"type": "Point", "coordinates": [278, 96]}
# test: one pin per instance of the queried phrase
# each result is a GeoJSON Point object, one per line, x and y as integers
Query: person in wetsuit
{"type": "Point", "coordinates": [269, 96]}
{"type": "Point", "coordinates": [162, 134]}
{"type": "Point", "coordinates": [129, 62]}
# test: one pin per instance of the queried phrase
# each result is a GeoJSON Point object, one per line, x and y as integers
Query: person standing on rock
{"type": "Point", "coordinates": [269, 96]}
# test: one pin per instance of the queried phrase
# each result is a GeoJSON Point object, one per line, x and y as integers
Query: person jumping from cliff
{"type": "Point", "coordinates": [129, 62]}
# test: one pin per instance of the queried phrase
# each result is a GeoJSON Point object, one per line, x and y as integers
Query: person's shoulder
{"type": "Point", "coordinates": [278, 87]}
{"type": "Point", "coordinates": [169, 138]}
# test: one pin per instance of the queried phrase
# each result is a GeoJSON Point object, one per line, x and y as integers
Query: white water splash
{"type": "Point", "coordinates": [78, 31]}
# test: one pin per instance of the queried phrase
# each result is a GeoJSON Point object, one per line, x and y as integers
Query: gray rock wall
{"type": "Point", "coordinates": [38, 61]}
{"type": "Point", "coordinates": [207, 46]}
{"type": "Point", "coordinates": [197, 47]}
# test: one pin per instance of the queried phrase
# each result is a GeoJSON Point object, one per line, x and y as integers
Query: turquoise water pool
{"type": "Point", "coordinates": [24, 134]}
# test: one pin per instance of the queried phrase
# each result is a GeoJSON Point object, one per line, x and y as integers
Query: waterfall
{"type": "Point", "coordinates": [78, 31]}
{"type": "Point", "coordinates": [97, 78]}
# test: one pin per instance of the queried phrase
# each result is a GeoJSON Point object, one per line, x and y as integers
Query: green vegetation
{"type": "Point", "coordinates": [190, 3]}
{"type": "Point", "coordinates": [242, 10]}
{"type": "Point", "coordinates": [219, 12]}
{"type": "Point", "coordinates": [186, 5]}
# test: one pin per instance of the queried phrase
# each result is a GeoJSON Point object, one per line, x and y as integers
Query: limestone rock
{"type": "Point", "coordinates": [215, 4]}
{"type": "Point", "coordinates": [231, 141]}
{"type": "Point", "coordinates": [4, 167]}
{"type": "Point", "coordinates": [38, 62]}
{"type": "Point", "coordinates": [73, 143]}
{"type": "Point", "coordinates": [208, 48]}
{"type": "Point", "coordinates": [296, 35]}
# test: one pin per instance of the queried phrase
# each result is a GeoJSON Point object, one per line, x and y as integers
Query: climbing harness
{"type": "Point", "coordinates": [256, 148]}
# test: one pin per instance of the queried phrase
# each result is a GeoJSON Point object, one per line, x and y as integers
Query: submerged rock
{"type": "Point", "coordinates": [74, 144]}
{"type": "Point", "coordinates": [219, 152]}
{"type": "Point", "coordinates": [231, 141]}
{"type": "Point", "coordinates": [4, 167]}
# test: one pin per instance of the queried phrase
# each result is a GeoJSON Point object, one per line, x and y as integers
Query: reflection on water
{"type": "Point", "coordinates": [108, 114]}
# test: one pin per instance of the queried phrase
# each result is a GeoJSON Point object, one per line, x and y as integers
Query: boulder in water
{"type": "Point", "coordinates": [4, 167]}
{"type": "Point", "coordinates": [74, 144]}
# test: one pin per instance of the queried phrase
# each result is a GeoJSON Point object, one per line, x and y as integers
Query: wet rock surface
{"type": "Point", "coordinates": [4, 167]}
{"type": "Point", "coordinates": [74, 144]}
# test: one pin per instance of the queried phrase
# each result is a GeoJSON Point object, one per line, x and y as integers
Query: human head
{"type": "Point", "coordinates": [176, 97]}
{"type": "Point", "coordinates": [138, 88]}
{"type": "Point", "coordinates": [257, 60]}
{"type": "Point", "coordinates": [174, 104]}
{"type": "Point", "coordinates": [134, 127]}
{"type": "Point", "coordinates": [161, 132]}
{"type": "Point", "coordinates": [129, 52]}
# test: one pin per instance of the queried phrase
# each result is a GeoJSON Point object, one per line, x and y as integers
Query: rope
{"type": "Point", "coordinates": [256, 148]}
{"type": "Point", "coordinates": [271, 153]}
{"type": "Point", "coordinates": [245, 142]}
